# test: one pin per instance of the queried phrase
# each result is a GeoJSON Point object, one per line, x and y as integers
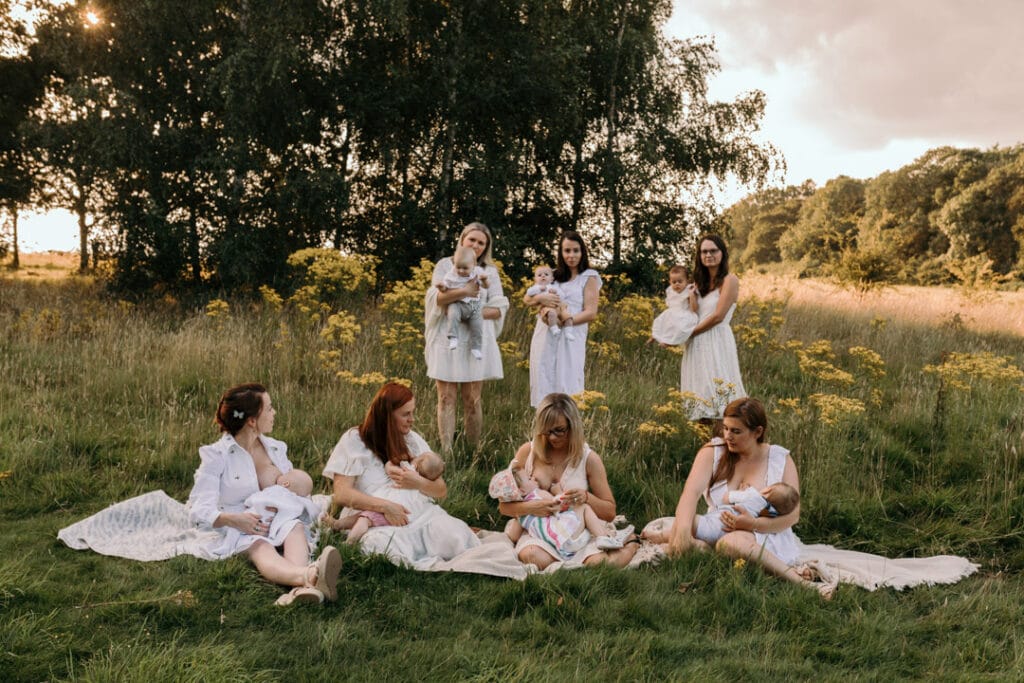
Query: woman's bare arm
{"type": "Point", "coordinates": [728, 296]}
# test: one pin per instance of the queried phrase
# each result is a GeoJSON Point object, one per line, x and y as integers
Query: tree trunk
{"type": "Point", "coordinates": [612, 171]}
{"type": "Point", "coordinates": [83, 233]}
{"type": "Point", "coordinates": [16, 262]}
{"type": "Point", "coordinates": [577, 185]}
{"type": "Point", "coordinates": [444, 194]}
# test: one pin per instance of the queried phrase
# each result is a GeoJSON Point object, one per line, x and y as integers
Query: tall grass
{"type": "Point", "coordinates": [101, 400]}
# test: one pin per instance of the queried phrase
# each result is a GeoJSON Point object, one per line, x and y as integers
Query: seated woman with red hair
{"type": "Point", "coordinates": [357, 469]}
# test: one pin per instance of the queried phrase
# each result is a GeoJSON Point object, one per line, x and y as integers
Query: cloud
{"type": "Point", "coordinates": [874, 71]}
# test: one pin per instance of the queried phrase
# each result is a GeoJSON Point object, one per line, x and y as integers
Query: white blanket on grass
{"type": "Point", "coordinates": [869, 571]}
{"type": "Point", "coordinates": [154, 526]}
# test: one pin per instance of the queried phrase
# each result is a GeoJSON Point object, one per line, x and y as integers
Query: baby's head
{"type": "Point", "coordinates": [783, 498]}
{"type": "Point", "coordinates": [298, 482]}
{"type": "Point", "coordinates": [678, 278]}
{"type": "Point", "coordinates": [526, 484]}
{"type": "Point", "coordinates": [543, 275]}
{"type": "Point", "coordinates": [464, 261]}
{"type": "Point", "coordinates": [429, 465]}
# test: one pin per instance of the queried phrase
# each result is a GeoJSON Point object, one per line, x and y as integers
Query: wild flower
{"type": "Point", "coordinates": [739, 563]}
{"type": "Point", "coordinates": [822, 369]}
{"type": "Point", "coordinates": [833, 409]}
{"type": "Point", "coordinates": [750, 337]}
{"type": "Point", "coordinates": [637, 315]}
{"type": "Point", "coordinates": [869, 360]}
{"type": "Point", "coordinates": [509, 349]}
{"type": "Point", "coordinates": [590, 400]}
{"type": "Point", "coordinates": [960, 370]}
{"type": "Point", "coordinates": [218, 308]}
{"type": "Point", "coordinates": [656, 429]}
{"type": "Point", "coordinates": [878, 324]}
{"type": "Point", "coordinates": [403, 341]}
{"type": "Point", "coordinates": [405, 298]}
{"type": "Point", "coordinates": [6, 474]}
{"type": "Point", "coordinates": [284, 335]}
{"type": "Point", "coordinates": [366, 379]}
{"type": "Point", "coordinates": [332, 273]}
{"type": "Point", "coordinates": [793, 404]}
{"type": "Point", "coordinates": [271, 299]}
{"type": "Point", "coordinates": [306, 300]}
{"type": "Point", "coordinates": [608, 350]}
{"type": "Point", "coordinates": [341, 329]}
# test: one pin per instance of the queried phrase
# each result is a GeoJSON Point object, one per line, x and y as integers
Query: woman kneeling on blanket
{"type": "Point", "coordinates": [558, 455]}
{"type": "Point", "coordinates": [370, 474]}
{"type": "Point", "coordinates": [242, 463]}
{"type": "Point", "coordinates": [744, 459]}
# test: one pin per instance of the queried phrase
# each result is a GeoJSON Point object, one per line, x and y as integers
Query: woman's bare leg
{"type": "Point", "coordinates": [616, 558]}
{"type": "Point", "coordinates": [532, 554]}
{"type": "Point", "coordinates": [296, 549]}
{"type": "Point", "coordinates": [742, 544]}
{"type": "Point", "coordinates": [446, 396]}
{"type": "Point", "coordinates": [472, 411]}
{"type": "Point", "coordinates": [276, 568]}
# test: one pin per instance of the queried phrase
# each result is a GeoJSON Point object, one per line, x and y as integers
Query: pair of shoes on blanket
{"type": "Point", "coordinates": [615, 541]}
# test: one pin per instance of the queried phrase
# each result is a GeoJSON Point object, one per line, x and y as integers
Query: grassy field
{"type": "Point", "coordinates": [907, 431]}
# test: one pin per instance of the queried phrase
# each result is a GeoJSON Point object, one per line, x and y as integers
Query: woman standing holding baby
{"type": "Point", "coordinates": [557, 360]}
{"type": "Point", "coordinates": [451, 363]}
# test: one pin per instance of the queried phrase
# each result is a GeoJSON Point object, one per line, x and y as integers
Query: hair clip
{"type": "Point", "coordinates": [238, 414]}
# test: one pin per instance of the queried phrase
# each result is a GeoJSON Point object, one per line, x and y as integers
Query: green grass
{"type": "Point", "coordinates": [101, 400]}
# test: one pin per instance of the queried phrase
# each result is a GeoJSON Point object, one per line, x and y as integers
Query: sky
{"type": "Point", "coordinates": [854, 87]}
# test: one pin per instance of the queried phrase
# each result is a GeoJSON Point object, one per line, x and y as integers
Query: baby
{"type": "Point", "coordinates": [569, 530]}
{"type": "Point", "coordinates": [428, 465]}
{"type": "Point", "coordinates": [466, 309]}
{"type": "Point", "coordinates": [781, 500]}
{"type": "Point", "coordinates": [675, 325]}
{"type": "Point", "coordinates": [283, 503]}
{"type": "Point", "coordinates": [554, 317]}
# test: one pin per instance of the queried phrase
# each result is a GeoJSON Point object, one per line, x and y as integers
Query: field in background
{"type": "Point", "coordinates": [43, 265]}
{"type": "Point", "coordinates": [907, 434]}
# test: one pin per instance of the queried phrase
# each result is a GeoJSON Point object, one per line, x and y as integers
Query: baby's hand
{"type": "Point", "coordinates": [483, 280]}
{"type": "Point", "coordinates": [441, 287]}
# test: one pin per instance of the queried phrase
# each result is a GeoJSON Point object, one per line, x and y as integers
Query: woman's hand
{"type": "Point", "coordinates": [679, 544]}
{"type": "Point", "coordinates": [548, 299]}
{"type": "Point", "coordinates": [395, 514]}
{"type": "Point", "coordinates": [405, 477]}
{"type": "Point", "coordinates": [248, 523]}
{"type": "Point", "coordinates": [737, 521]}
{"type": "Point", "coordinates": [573, 497]}
{"type": "Point", "coordinates": [541, 507]}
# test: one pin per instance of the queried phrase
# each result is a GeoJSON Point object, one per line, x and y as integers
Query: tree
{"type": "Point", "coordinates": [827, 225]}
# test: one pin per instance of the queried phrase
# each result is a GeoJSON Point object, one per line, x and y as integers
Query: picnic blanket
{"type": "Point", "coordinates": [872, 572]}
{"type": "Point", "coordinates": [154, 526]}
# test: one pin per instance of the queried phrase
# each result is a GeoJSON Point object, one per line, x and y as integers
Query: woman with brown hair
{"type": "Point", "coordinates": [244, 461]}
{"type": "Point", "coordinates": [357, 469]}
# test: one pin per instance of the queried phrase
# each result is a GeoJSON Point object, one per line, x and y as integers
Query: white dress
{"type": "Point", "coordinates": [458, 365]}
{"type": "Point", "coordinates": [675, 324]}
{"type": "Point", "coordinates": [711, 356]}
{"type": "Point", "coordinates": [225, 479]}
{"type": "Point", "coordinates": [572, 478]}
{"type": "Point", "coordinates": [431, 534]}
{"type": "Point", "coordinates": [784, 544]}
{"type": "Point", "coordinates": [556, 362]}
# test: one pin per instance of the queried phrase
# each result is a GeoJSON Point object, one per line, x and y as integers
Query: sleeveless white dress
{"type": "Point", "coordinates": [784, 544]}
{"type": "Point", "coordinates": [572, 478]}
{"type": "Point", "coordinates": [709, 356]}
{"type": "Point", "coordinates": [556, 363]}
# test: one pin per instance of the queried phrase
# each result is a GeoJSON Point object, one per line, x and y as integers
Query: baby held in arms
{"type": "Point", "coordinates": [428, 465]}
{"type": "Point", "coordinates": [568, 530]}
{"type": "Point", "coordinates": [777, 499]}
{"type": "Point", "coordinates": [286, 500]}
{"type": "Point", "coordinates": [555, 317]}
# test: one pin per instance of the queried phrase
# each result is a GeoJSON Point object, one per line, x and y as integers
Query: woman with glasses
{"type": "Point", "coordinates": [711, 368]}
{"type": "Point", "coordinates": [558, 454]}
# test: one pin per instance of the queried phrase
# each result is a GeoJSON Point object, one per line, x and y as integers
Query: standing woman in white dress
{"type": "Point", "coordinates": [711, 367]}
{"type": "Point", "coordinates": [456, 372]}
{"type": "Point", "coordinates": [557, 362]}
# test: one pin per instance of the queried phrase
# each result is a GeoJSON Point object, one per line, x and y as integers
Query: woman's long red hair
{"type": "Point", "coordinates": [379, 432]}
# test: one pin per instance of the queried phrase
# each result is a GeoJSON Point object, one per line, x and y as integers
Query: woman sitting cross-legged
{"type": "Point", "coordinates": [559, 456]}
{"type": "Point", "coordinates": [368, 465]}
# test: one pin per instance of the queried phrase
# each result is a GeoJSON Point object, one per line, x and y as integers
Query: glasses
{"type": "Point", "coordinates": [558, 431]}
{"type": "Point", "coordinates": [709, 252]}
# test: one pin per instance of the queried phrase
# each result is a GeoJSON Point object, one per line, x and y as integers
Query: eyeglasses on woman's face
{"type": "Point", "coordinates": [558, 431]}
{"type": "Point", "coordinates": [709, 252]}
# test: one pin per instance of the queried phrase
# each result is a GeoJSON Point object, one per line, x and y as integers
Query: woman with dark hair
{"type": "Point", "coordinates": [557, 360]}
{"type": "Point", "coordinates": [710, 369]}
{"type": "Point", "coordinates": [558, 453]}
{"type": "Point", "coordinates": [455, 370]}
{"type": "Point", "coordinates": [743, 458]}
{"type": "Point", "coordinates": [357, 470]}
{"type": "Point", "coordinates": [244, 461]}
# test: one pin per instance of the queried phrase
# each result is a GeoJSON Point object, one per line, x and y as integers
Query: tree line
{"type": "Point", "coordinates": [200, 143]}
{"type": "Point", "coordinates": [951, 216]}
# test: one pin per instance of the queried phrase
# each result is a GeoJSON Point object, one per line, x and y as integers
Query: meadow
{"type": "Point", "coordinates": [908, 432]}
